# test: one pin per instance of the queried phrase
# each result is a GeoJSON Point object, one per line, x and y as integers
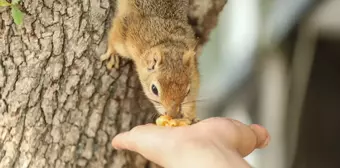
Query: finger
{"type": "Point", "coordinates": [118, 141]}
{"type": "Point", "coordinates": [236, 134]}
{"type": "Point", "coordinates": [137, 137]}
{"type": "Point", "coordinates": [146, 140]}
{"type": "Point", "coordinates": [250, 138]}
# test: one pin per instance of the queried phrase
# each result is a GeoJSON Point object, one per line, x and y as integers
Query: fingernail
{"type": "Point", "coordinates": [267, 138]}
{"type": "Point", "coordinates": [266, 142]}
{"type": "Point", "coordinates": [118, 146]}
{"type": "Point", "coordinates": [115, 144]}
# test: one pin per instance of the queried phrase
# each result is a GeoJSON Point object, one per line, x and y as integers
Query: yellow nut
{"type": "Point", "coordinates": [169, 122]}
{"type": "Point", "coordinates": [173, 123]}
{"type": "Point", "coordinates": [183, 123]}
{"type": "Point", "coordinates": [163, 120]}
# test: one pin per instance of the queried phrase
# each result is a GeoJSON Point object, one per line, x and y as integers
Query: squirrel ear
{"type": "Point", "coordinates": [153, 60]}
{"type": "Point", "coordinates": [189, 57]}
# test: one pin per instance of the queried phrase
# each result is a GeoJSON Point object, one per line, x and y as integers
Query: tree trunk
{"type": "Point", "coordinates": [59, 105]}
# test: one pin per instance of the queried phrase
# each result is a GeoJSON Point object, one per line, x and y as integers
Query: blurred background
{"type": "Point", "coordinates": [277, 63]}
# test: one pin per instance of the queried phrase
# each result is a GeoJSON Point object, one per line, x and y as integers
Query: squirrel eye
{"type": "Point", "coordinates": [154, 89]}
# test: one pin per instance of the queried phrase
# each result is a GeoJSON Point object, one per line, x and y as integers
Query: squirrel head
{"type": "Point", "coordinates": [170, 79]}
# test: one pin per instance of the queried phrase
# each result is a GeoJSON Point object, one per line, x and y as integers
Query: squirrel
{"type": "Point", "coordinates": [156, 36]}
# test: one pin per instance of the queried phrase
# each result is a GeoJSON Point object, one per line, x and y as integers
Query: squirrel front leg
{"type": "Point", "coordinates": [113, 58]}
{"type": "Point", "coordinates": [111, 53]}
{"type": "Point", "coordinates": [190, 114]}
{"type": "Point", "coordinates": [115, 41]}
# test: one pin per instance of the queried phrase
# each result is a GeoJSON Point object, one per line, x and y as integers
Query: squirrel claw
{"type": "Point", "coordinates": [113, 60]}
{"type": "Point", "coordinates": [116, 65]}
{"type": "Point", "coordinates": [194, 121]}
{"type": "Point", "coordinates": [109, 65]}
{"type": "Point", "coordinates": [104, 56]}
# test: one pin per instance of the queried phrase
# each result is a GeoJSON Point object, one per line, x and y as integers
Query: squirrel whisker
{"type": "Point", "coordinates": [155, 101]}
{"type": "Point", "coordinates": [154, 116]}
{"type": "Point", "coordinates": [193, 101]}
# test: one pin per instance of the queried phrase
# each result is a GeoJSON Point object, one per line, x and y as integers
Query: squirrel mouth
{"type": "Point", "coordinates": [174, 114]}
{"type": "Point", "coordinates": [178, 115]}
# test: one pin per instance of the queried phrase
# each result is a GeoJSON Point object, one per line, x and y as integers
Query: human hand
{"type": "Point", "coordinates": [215, 142]}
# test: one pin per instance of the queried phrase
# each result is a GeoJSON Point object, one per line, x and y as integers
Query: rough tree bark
{"type": "Point", "coordinates": [59, 105]}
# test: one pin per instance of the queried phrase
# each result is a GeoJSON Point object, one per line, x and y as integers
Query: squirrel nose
{"type": "Point", "coordinates": [175, 108]}
{"type": "Point", "coordinates": [174, 115]}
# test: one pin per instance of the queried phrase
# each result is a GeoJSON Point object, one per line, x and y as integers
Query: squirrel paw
{"type": "Point", "coordinates": [113, 62]}
{"type": "Point", "coordinates": [105, 56]}
{"type": "Point", "coordinates": [194, 121]}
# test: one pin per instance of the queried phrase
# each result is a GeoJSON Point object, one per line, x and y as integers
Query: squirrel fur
{"type": "Point", "coordinates": [156, 35]}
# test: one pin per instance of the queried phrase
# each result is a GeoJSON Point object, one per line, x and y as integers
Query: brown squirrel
{"type": "Point", "coordinates": [156, 35]}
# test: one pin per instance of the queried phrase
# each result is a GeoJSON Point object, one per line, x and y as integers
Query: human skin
{"type": "Point", "coordinates": [214, 142]}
